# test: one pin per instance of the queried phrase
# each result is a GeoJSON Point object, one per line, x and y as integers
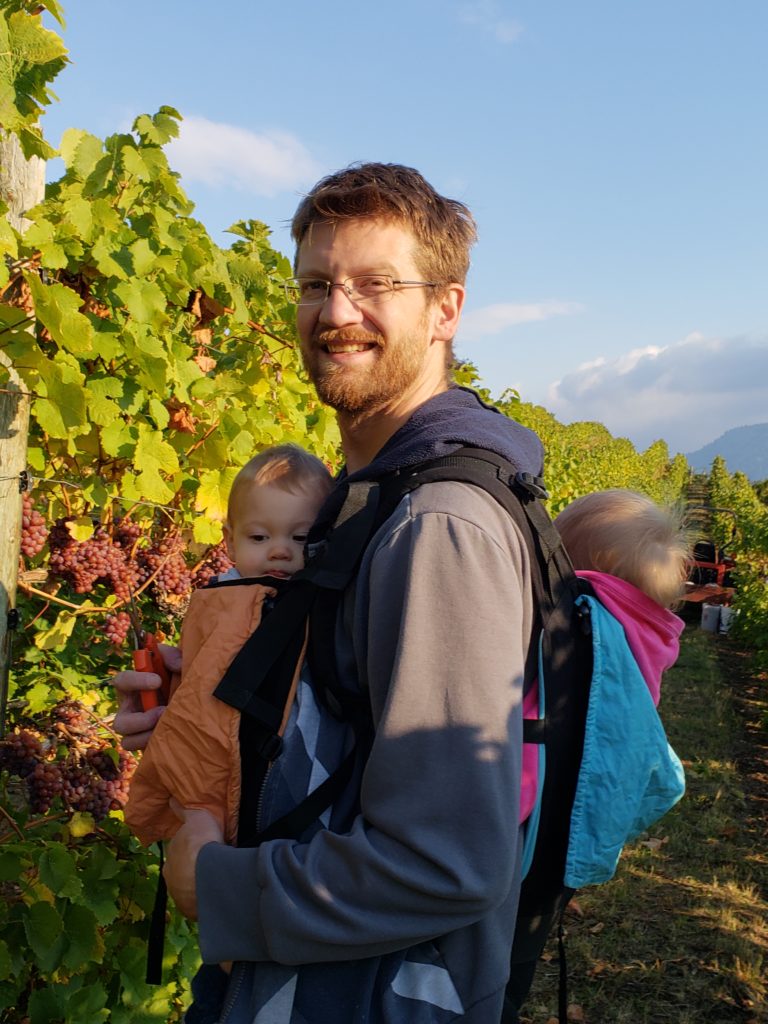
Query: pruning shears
{"type": "Point", "coordinates": [147, 658]}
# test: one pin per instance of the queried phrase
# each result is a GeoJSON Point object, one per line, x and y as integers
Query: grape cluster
{"type": "Point", "coordinates": [44, 783]}
{"type": "Point", "coordinates": [127, 533]}
{"type": "Point", "coordinates": [166, 559]}
{"type": "Point", "coordinates": [85, 563]}
{"type": "Point", "coordinates": [69, 758]}
{"type": "Point", "coordinates": [34, 532]}
{"type": "Point", "coordinates": [20, 752]}
{"type": "Point", "coordinates": [216, 562]}
{"type": "Point", "coordinates": [116, 628]}
{"type": "Point", "coordinates": [69, 719]}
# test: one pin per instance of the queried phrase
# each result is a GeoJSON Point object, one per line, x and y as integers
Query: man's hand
{"type": "Point", "coordinates": [200, 827]}
{"type": "Point", "coordinates": [132, 723]}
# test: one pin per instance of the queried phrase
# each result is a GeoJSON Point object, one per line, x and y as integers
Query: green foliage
{"type": "Point", "coordinates": [30, 58]}
{"type": "Point", "coordinates": [73, 924]}
{"type": "Point", "coordinates": [748, 544]}
{"type": "Point", "coordinates": [584, 457]}
{"type": "Point", "coordinates": [159, 364]}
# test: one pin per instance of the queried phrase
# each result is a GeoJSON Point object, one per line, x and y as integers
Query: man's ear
{"type": "Point", "coordinates": [448, 312]}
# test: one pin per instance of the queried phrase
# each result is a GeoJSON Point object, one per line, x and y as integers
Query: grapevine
{"type": "Point", "coordinates": [749, 548]}
{"type": "Point", "coordinates": [70, 756]}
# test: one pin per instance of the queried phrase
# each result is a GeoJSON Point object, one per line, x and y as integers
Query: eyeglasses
{"type": "Point", "coordinates": [372, 288]}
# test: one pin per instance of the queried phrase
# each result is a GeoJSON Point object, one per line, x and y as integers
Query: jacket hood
{"type": "Point", "coordinates": [455, 418]}
{"type": "Point", "coordinates": [653, 632]}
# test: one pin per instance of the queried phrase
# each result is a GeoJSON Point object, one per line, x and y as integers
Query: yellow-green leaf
{"type": "Point", "coordinates": [81, 824]}
{"type": "Point", "coordinates": [61, 411]}
{"type": "Point", "coordinates": [213, 493]}
{"type": "Point", "coordinates": [58, 308]}
{"type": "Point", "coordinates": [206, 531]}
{"type": "Point", "coordinates": [57, 635]}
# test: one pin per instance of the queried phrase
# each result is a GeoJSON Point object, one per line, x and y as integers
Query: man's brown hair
{"type": "Point", "coordinates": [444, 229]}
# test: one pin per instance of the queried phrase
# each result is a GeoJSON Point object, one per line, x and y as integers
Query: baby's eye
{"type": "Point", "coordinates": [258, 537]}
{"type": "Point", "coordinates": [300, 538]}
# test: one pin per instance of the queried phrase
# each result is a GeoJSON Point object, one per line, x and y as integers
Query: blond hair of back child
{"type": "Point", "coordinates": [628, 535]}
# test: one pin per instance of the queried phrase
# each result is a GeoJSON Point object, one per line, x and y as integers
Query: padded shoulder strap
{"type": "Point", "coordinates": [520, 495]}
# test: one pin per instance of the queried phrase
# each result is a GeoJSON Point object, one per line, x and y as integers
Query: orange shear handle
{"type": "Point", "coordinates": [149, 659]}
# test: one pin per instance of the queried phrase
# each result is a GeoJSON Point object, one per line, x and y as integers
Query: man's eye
{"type": "Point", "coordinates": [371, 284]}
{"type": "Point", "coordinates": [310, 287]}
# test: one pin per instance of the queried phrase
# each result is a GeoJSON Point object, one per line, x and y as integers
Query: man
{"type": "Point", "coordinates": [401, 909]}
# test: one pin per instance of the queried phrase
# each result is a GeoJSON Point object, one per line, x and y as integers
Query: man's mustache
{"type": "Point", "coordinates": [346, 336]}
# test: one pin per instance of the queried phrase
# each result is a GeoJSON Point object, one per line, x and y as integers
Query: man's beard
{"type": "Point", "coordinates": [353, 390]}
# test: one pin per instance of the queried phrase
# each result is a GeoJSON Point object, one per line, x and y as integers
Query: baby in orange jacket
{"type": "Point", "coordinates": [194, 752]}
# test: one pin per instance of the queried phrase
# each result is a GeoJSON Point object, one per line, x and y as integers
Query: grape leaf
{"type": "Point", "coordinates": [58, 307]}
{"type": "Point", "coordinates": [59, 872]}
{"type": "Point", "coordinates": [43, 927]}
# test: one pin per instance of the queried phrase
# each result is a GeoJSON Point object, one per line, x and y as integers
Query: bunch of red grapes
{"type": "Point", "coordinates": [121, 558]}
{"type": "Point", "coordinates": [216, 562]}
{"type": "Point", "coordinates": [68, 757]}
{"type": "Point", "coordinates": [34, 532]}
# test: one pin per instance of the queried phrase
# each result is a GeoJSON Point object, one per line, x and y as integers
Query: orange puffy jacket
{"type": "Point", "coordinates": [194, 753]}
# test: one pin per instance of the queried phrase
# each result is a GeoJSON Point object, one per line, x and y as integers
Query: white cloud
{"type": "Point", "coordinates": [480, 323]}
{"type": "Point", "coordinates": [226, 156]}
{"type": "Point", "coordinates": [687, 393]}
{"type": "Point", "coordinates": [487, 15]}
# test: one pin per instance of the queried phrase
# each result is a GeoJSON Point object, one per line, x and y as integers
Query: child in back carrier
{"type": "Point", "coordinates": [634, 554]}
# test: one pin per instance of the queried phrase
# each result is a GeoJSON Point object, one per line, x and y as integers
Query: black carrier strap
{"type": "Point", "coordinates": [259, 679]}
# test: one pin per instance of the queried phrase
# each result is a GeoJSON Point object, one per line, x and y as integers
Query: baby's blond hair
{"type": "Point", "coordinates": [287, 466]}
{"type": "Point", "coordinates": [628, 535]}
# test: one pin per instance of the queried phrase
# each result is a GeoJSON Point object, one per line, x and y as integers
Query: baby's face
{"type": "Point", "coordinates": [268, 531]}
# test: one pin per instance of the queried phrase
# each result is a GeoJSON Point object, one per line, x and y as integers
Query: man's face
{"type": "Point", "coordinates": [363, 357]}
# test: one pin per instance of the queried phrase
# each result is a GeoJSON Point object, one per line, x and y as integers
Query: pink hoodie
{"type": "Point", "coordinates": [653, 635]}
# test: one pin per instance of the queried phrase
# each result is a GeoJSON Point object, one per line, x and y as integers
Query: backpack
{"type": "Point", "coordinates": [594, 706]}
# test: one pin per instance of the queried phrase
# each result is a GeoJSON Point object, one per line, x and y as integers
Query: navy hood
{"type": "Point", "coordinates": [453, 419]}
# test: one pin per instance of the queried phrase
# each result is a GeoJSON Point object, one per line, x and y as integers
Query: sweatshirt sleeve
{"type": "Point", "coordinates": [442, 621]}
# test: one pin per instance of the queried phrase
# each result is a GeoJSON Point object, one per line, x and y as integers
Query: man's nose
{"type": "Point", "coordinates": [339, 310]}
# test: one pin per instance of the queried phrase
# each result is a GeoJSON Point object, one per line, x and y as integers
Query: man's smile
{"type": "Point", "coordinates": [349, 346]}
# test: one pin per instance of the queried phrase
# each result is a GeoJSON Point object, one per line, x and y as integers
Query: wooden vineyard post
{"type": "Point", "coordinates": [22, 186]}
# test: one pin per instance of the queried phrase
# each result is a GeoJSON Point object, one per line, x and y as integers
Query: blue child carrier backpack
{"type": "Point", "coordinates": [607, 771]}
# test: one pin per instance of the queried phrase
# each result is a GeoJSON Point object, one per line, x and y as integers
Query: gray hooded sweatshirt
{"type": "Point", "coordinates": [398, 906]}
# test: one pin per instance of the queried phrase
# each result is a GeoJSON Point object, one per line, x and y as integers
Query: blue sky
{"type": "Point", "coordinates": [613, 153]}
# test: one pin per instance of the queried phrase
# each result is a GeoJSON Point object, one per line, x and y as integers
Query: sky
{"type": "Point", "coordinates": [614, 155]}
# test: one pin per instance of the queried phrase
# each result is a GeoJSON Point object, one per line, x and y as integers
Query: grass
{"type": "Point", "coordinates": [680, 935]}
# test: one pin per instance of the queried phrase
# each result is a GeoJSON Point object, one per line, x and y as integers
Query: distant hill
{"type": "Point", "coordinates": [745, 449]}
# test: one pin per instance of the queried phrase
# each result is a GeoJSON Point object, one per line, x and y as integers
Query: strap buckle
{"type": "Point", "coordinates": [533, 486]}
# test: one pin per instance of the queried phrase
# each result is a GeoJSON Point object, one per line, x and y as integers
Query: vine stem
{"type": "Point", "coordinates": [14, 825]}
{"type": "Point", "coordinates": [204, 438]}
